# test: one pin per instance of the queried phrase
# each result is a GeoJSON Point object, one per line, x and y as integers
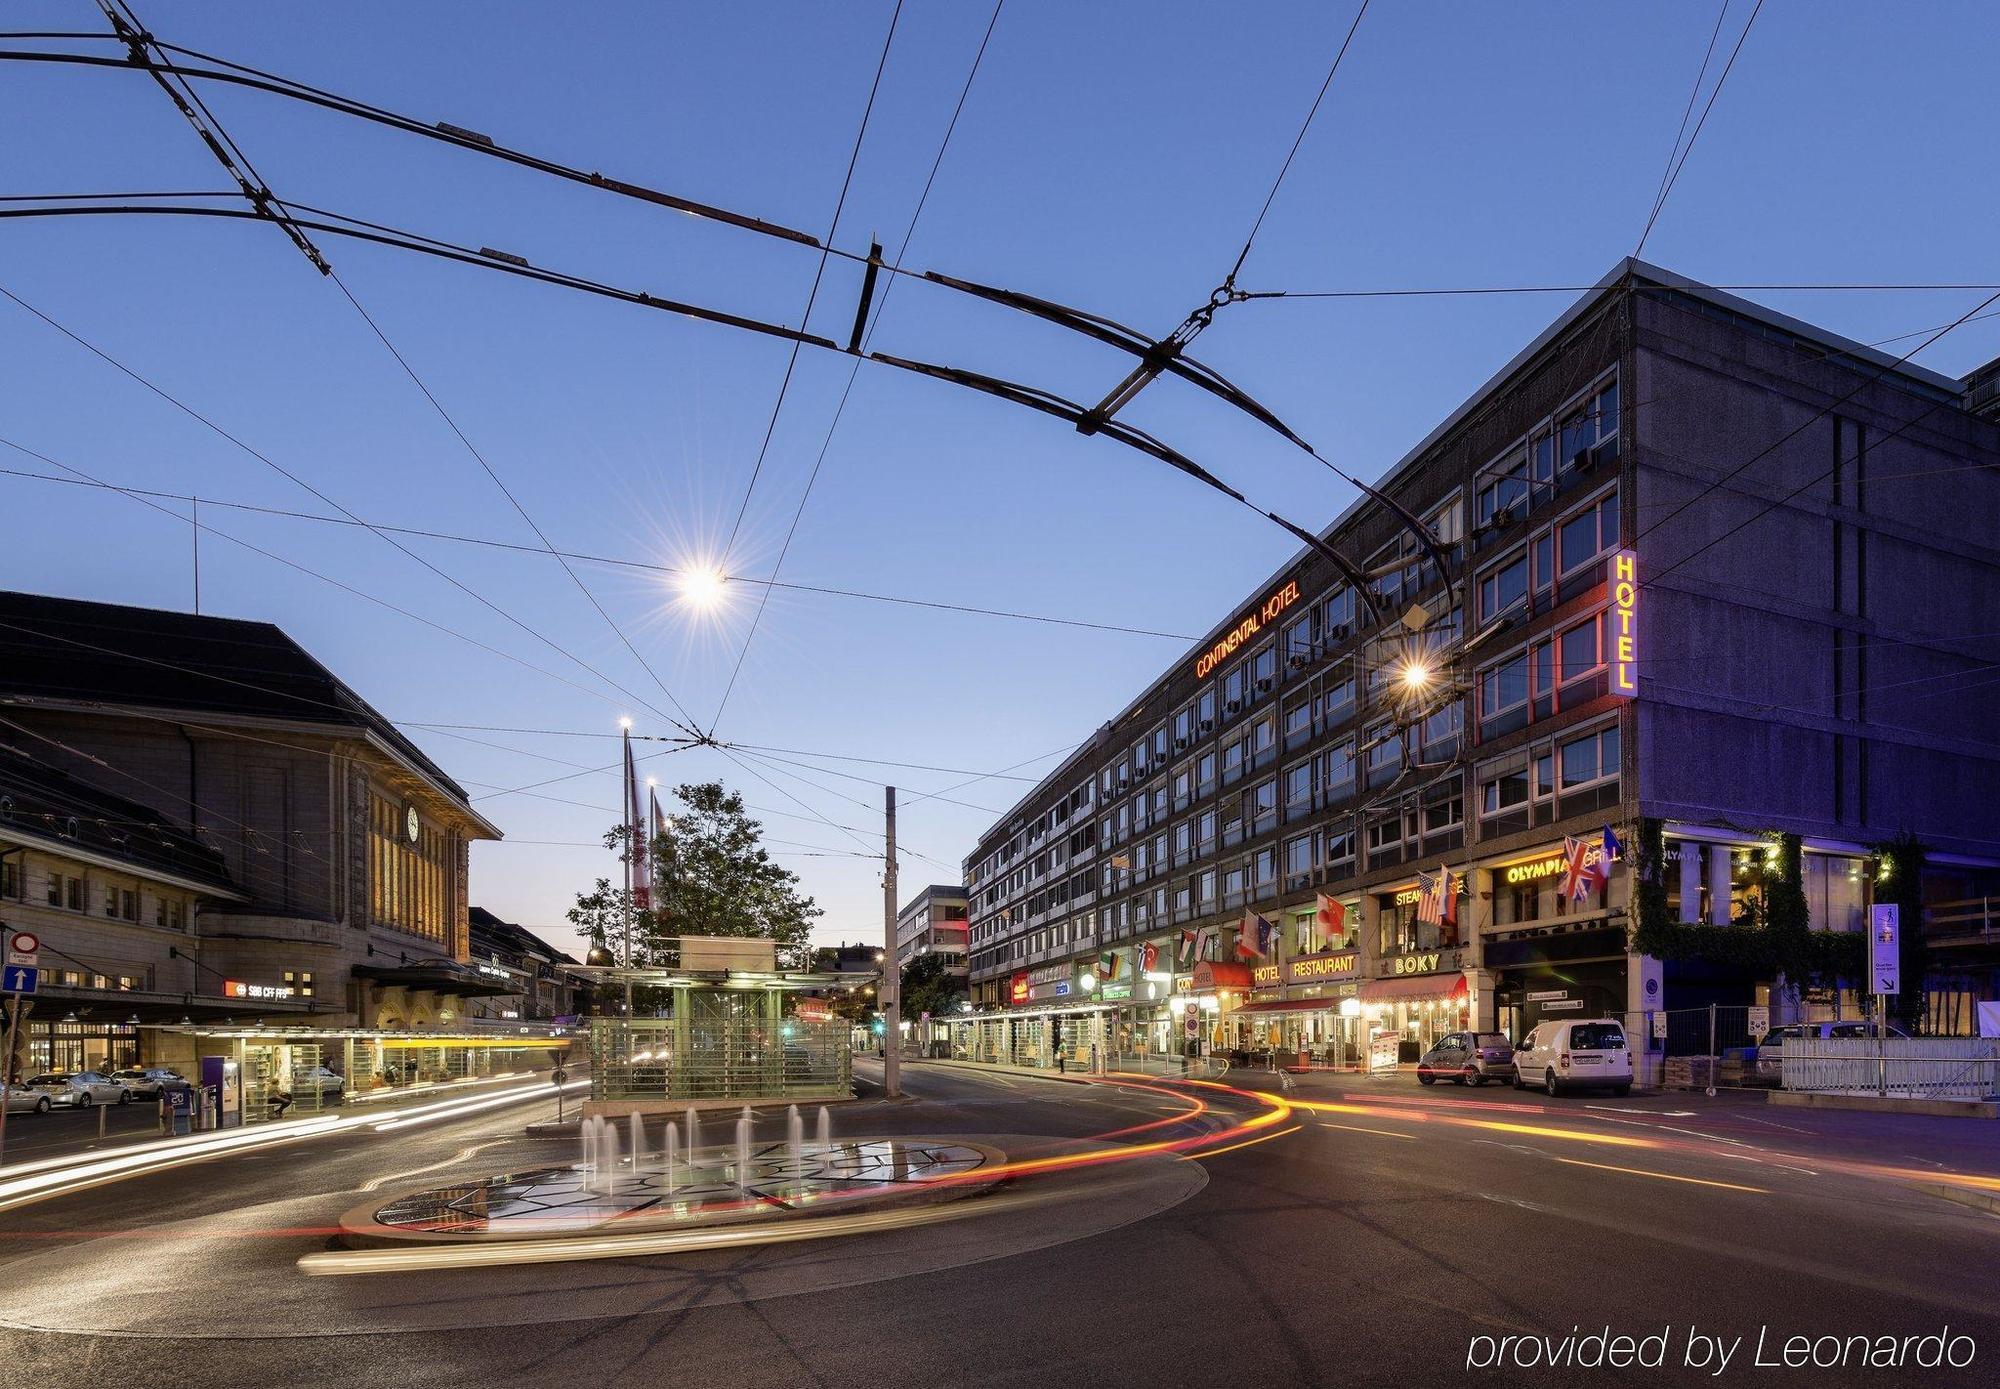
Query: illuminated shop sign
{"type": "Point", "coordinates": [1423, 962]}
{"type": "Point", "coordinates": [1262, 975]}
{"type": "Point", "coordinates": [1408, 896]}
{"type": "Point", "coordinates": [1624, 619]}
{"type": "Point", "coordinates": [1312, 969]}
{"type": "Point", "coordinates": [1049, 974]}
{"type": "Point", "coordinates": [1017, 989]}
{"type": "Point", "coordinates": [1253, 622]}
{"type": "Point", "coordinates": [1548, 866]}
{"type": "Point", "coordinates": [236, 988]}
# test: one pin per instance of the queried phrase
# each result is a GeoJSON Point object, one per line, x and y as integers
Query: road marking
{"type": "Point", "coordinates": [1664, 1176]}
{"type": "Point", "coordinates": [1356, 1128]}
{"type": "Point", "coordinates": [462, 1155]}
{"type": "Point", "coordinates": [1773, 1123]}
{"type": "Point", "coordinates": [1628, 1109]}
{"type": "Point", "coordinates": [1218, 1152]}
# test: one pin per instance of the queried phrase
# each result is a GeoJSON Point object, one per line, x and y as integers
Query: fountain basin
{"type": "Point", "coordinates": [708, 1186]}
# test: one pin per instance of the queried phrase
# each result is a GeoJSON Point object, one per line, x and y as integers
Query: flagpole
{"type": "Point", "coordinates": [631, 795]}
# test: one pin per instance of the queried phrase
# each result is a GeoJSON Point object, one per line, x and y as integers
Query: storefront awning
{"type": "Point", "coordinates": [1211, 975]}
{"type": "Point", "coordinates": [1291, 1005]}
{"type": "Point", "coordinates": [1417, 986]}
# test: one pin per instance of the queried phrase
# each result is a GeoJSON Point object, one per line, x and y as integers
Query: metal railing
{"type": "Point", "coordinates": [1952, 1068]}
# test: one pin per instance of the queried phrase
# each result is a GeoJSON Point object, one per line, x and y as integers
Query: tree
{"type": "Point", "coordinates": [710, 877]}
{"type": "Point", "coordinates": [929, 987]}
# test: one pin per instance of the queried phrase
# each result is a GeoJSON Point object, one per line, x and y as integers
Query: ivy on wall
{"type": "Point", "coordinates": [1772, 937]}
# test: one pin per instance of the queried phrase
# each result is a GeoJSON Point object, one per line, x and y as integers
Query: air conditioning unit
{"type": "Point", "coordinates": [1233, 706]}
{"type": "Point", "coordinates": [1340, 631]}
{"type": "Point", "coordinates": [1296, 662]}
{"type": "Point", "coordinates": [1207, 725]}
{"type": "Point", "coordinates": [1179, 743]}
{"type": "Point", "coordinates": [1264, 684]}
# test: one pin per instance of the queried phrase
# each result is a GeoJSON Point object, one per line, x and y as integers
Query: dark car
{"type": "Point", "coordinates": [1467, 1058]}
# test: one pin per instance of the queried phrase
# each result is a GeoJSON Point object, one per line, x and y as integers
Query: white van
{"type": "Point", "coordinates": [1574, 1053]}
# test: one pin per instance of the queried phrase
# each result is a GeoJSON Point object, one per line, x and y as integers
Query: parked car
{"type": "Point", "coordinates": [20, 1099]}
{"type": "Point", "coordinates": [150, 1080]}
{"type": "Point", "coordinates": [1467, 1058]}
{"type": "Point", "coordinates": [321, 1078]}
{"type": "Point", "coordinates": [1771, 1046]}
{"type": "Point", "coordinates": [1574, 1053]}
{"type": "Point", "coordinates": [79, 1089]}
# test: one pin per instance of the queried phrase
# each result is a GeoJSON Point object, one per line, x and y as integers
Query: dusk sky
{"type": "Point", "coordinates": [1109, 156]}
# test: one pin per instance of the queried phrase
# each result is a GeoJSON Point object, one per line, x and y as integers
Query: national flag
{"type": "Point", "coordinates": [1580, 875]}
{"type": "Point", "coordinates": [1184, 955]}
{"type": "Point", "coordinates": [1253, 937]}
{"type": "Point", "coordinates": [1149, 957]}
{"type": "Point", "coordinates": [1614, 848]}
{"type": "Point", "coordinates": [1448, 907]}
{"type": "Point", "coordinates": [1331, 917]}
{"type": "Point", "coordinates": [1107, 966]}
{"type": "Point", "coordinates": [1430, 899]}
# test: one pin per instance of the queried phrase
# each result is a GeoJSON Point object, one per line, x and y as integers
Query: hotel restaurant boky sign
{"type": "Point", "coordinates": [1251, 623]}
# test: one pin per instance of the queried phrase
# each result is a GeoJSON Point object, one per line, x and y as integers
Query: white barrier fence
{"type": "Point", "coordinates": [1948, 1068]}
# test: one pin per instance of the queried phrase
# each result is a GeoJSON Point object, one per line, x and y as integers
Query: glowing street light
{"type": "Point", "coordinates": [1415, 675]}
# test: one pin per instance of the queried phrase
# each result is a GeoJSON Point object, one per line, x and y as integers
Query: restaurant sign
{"type": "Point", "coordinates": [1549, 865]}
{"type": "Point", "coordinates": [1017, 989]}
{"type": "Point", "coordinates": [1421, 962]}
{"type": "Point", "coordinates": [1317, 969]}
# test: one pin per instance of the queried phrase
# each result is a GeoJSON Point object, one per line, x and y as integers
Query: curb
{"type": "Point", "coordinates": [1979, 1200]}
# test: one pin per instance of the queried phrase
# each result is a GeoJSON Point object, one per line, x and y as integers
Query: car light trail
{"type": "Point", "coordinates": [1233, 1147]}
{"type": "Point", "coordinates": [38, 1181]}
{"type": "Point", "coordinates": [1663, 1176]}
{"type": "Point", "coordinates": [1356, 1128]}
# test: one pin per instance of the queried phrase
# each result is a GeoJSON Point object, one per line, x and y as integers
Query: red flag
{"type": "Point", "coordinates": [1332, 918]}
{"type": "Point", "coordinates": [1149, 957]}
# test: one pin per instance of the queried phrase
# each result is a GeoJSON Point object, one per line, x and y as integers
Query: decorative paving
{"type": "Point", "coordinates": [708, 1184]}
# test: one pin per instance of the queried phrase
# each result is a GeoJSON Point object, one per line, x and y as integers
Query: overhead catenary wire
{"type": "Point", "coordinates": [862, 341]}
{"type": "Point", "coordinates": [1687, 112]}
{"type": "Point", "coordinates": [1680, 163]}
{"type": "Point", "coordinates": [812, 295]}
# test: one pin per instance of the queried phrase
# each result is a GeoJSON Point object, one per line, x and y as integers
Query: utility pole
{"type": "Point", "coordinates": [892, 980]}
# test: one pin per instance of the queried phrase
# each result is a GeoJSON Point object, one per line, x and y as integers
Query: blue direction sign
{"type": "Point", "coordinates": [19, 979]}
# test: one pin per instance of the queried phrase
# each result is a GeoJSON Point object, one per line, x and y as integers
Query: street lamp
{"type": "Point", "coordinates": [1415, 675]}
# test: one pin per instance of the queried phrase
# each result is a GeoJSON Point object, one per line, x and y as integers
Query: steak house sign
{"type": "Point", "coordinates": [1253, 622]}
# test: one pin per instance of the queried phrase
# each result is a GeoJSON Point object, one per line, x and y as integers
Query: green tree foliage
{"type": "Point", "coordinates": [929, 987]}
{"type": "Point", "coordinates": [710, 877]}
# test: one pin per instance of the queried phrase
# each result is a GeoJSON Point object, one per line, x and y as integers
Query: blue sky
{"type": "Point", "coordinates": [1110, 156]}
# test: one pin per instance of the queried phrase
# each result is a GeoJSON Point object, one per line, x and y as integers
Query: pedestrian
{"type": "Point", "coordinates": [280, 1102]}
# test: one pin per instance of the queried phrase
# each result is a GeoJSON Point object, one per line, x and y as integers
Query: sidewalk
{"type": "Point", "coordinates": [1168, 1069]}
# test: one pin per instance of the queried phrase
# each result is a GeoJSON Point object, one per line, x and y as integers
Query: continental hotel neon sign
{"type": "Point", "coordinates": [1624, 623]}
{"type": "Point", "coordinates": [1254, 621]}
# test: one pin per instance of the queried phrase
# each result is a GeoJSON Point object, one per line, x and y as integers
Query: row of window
{"type": "Point", "coordinates": [1532, 464]}
{"type": "Point", "coordinates": [78, 892]}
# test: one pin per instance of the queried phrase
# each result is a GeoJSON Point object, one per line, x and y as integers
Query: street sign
{"type": "Point", "coordinates": [24, 949]}
{"type": "Point", "coordinates": [1757, 1021]}
{"type": "Point", "coordinates": [1660, 1027]}
{"type": "Point", "coordinates": [20, 979]}
{"type": "Point", "coordinates": [1885, 959]}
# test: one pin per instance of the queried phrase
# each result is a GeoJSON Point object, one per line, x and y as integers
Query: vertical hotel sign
{"type": "Point", "coordinates": [1624, 620]}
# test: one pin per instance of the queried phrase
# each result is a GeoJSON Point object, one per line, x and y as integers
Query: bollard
{"type": "Point", "coordinates": [103, 1114]}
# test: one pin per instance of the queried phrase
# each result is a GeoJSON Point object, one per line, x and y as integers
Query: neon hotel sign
{"type": "Point", "coordinates": [1254, 621]}
{"type": "Point", "coordinates": [1624, 618]}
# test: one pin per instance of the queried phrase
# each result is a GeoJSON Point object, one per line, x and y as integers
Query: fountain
{"type": "Point", "coordinates": [743, 1150]}
{"type": "Point", "coordinates": [638, 1143]}
{"type": "Point", "coordinates": [607, 1171]}
{"type": "Point", "coordinates": [825, 1130]}
{"type": "Point", "coordinates": [795, 1133]}
{"type": "Point", "coordinates": [693, 1133]}
{"type": "Point", "coordinates": [669, 1157]}
{"type": "Point", "coordinates": [586, 1132]}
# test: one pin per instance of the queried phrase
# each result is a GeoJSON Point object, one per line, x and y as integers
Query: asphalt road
{"type": "Point", "coordinates": [1371, 1235]}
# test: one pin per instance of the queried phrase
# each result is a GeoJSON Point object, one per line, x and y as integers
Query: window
{"type": "Point", "coordinates": [1265, 864]}
{"type": "Point", "coordinates": [128, 903]}
{"type": "Point", "coordinates": [1205, 883]}
{"type": "Point", "coordinates": [1441, 730]}
{"type": "Point", "coordinates": [1500, 794]}
{"type": "Point", "coordinates": [1590, 758]}
{"type": "Point", "coordinates": [1184, 726]}
{"type": "Point", "coordinates": [1444, 816]}
{"type": "Point", "coordinates": [10, 878]}
{"type": "Point", "coordinates": [1339, 845]}
{"type": "Point", "coordinates": [1264, 668]}
{"type": "Point", "coordinates": [1508, 491]}
{"type": "Point", "coordinates": [1582, 648]}
{"type": "Point", "coordinates": [1232, 689]}
{"type": "Point", "coordinates": [1500, 589]}
{"type": "Point", "coordinates": [1205, 710]}
{"type": "Point", "coordinates": [1298, 786]}
{"type": "Point", "coordinates": [1385, 749]}
{"type": "Point", "coordinates": [1299, 856]}
{"type": "Point", "coordinates": [1504, 686]}
{"type": "Point", "coordinates": [1336, 615]}
{"type": "Point", "coordinates": [1264, 801]}
{"type": "Point", "coordinates": [1204, 774]}
{"type": "Point", "coordinates": [1298, 718]}
{"type": "Point", "coordinates": [1338, 777]}
{"type": "Point", "coordinates": [110, 899]}
{"type": "Point", "coordinates": [1298, 640]}
{"type": "Point", "coordinates": [1589, 533]}
{"type": "Point", "coordinates": [409, 880]}
{"type": "Point", "coordinates": [1232, 884]}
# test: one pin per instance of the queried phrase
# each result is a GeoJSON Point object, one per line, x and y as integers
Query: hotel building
{"type": "Point", "coordinates": [1682, 559]}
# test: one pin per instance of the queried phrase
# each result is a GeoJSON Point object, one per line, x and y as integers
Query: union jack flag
{"type": "Point", "coordinates": [1581, 875]}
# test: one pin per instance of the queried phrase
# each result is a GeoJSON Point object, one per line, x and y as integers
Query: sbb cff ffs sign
{"type": "Point", "coordinates": [1252, 623]}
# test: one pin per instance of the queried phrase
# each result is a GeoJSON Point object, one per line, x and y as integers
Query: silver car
{"type": "Point", "coordinates": [19, 1099]}
{"type": "Point", "coordinates": [321, 1078]}
{"type": "Point", "coordinates": [79, 1089]}
{"type": "Point", "coordinates": [150, 1080]}
{"type": "Point", "coordinates": [1467, 1058]}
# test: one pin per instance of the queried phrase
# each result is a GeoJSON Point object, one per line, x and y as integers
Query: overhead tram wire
{"type": "Point", "coordinates": [812, 297]}
{"type": "Point", "coordinates": [258, 191]}
{"type": "Point", "coordinates": [345, 587]}
{"type": "Point", "coordinates": [1291, 154]}
{"type": "Point", "coordinates": [1677, 165]}
{"type": "Point", "coordinates": [85, 480]}
{"type": "Point", "coordinates": [860, 342]}
{"type": "Point", "coordinates": [300, 482]}
{"type": "Point", "coordinates": [902, 845]}
{"type": "Point", "coordinates": [1694, 93]}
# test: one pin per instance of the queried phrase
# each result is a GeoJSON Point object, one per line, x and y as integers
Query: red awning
{"type": "Point", "coordinates": [1291, 1005]}
{"type": "Point", "coordinates": [1415, 986]}
{"type": "Point", "coordinates": [1211, 975]}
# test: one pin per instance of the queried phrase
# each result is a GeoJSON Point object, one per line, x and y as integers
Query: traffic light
{"type": "Point", "coordinates": [879, 1025]}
